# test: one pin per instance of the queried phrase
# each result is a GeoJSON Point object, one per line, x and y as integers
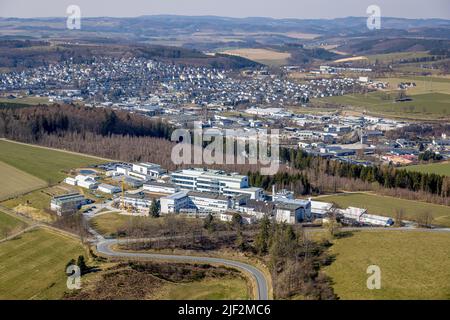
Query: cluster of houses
{"type": "Point", "coordinates": [146, 84]}
{"type": "Point", "coordinates": [199, 192]}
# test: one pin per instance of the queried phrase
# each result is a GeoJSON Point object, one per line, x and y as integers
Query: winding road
{"type": "Point", "coordinates": [104, 247]}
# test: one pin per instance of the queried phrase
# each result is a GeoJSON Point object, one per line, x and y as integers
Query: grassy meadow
{"type": "Point", "coordinates": [442, 168]}
{"type": "Point", "coordinates": [16, 182]}
{"type": "Point", "coordinates": [46, 164]}
{"type": "Point", "coordinates": [430, 99]}
{"type": "Point", "coordinates": [413, 265]}
{"type": "Point", "coordinates": [33, 265]}
{"type": "Point", "coordinates": [9, 225]}
{"type": "Point", "coordinates": [387, 206]}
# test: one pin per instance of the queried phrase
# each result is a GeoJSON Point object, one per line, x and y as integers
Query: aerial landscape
{"type": "Point", "coordinates": [175, 153]}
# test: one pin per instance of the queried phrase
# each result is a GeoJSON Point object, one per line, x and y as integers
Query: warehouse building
{"type": "Point", "coordinates": [293, 211]}
{"type": "Point", "coordinates": [107, 188]}
{"type": "Point", "coordinates": [67, 204]}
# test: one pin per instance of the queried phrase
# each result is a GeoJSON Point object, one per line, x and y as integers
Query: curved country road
{"type": "Point", "coordinates": [104, 247]}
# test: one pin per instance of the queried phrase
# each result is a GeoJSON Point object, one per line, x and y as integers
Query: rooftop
{"type": "Point", "coordinates": [208, 195]}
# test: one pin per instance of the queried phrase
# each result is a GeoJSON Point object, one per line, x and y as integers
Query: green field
{"type": "Point", "coordinates": [109, 223]}
{"type": "Point", "coordinates": [15, 182]}
{"type": "Point", "coordinates": [436, 168]}
{"type": "Point", "coordinates": [33, 265]}
{"type": "Point", "coordinates": [423, 106]}
{"type": "Point", "coordinates": [387, 206]}
{"type": "Point", "coordinates": [414, 265]}
{"type": "Point", "coordinates": [48, 165]}
{"type": "Point", "coordinates": [431, 99]}
{"type": "Point", "coordinates": [208, 289]}
{"type": "Point", "coordinates": [9, 225]}
{"type": "Point", "coordinates": [423, 84]}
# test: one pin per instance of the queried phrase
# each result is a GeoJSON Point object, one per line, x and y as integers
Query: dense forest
{"type": "Point", "coordinates": [35, 122]}
{"type": "Point", "coordinates": [124, 136]}
{"type": "Point", "coordinates": [386, 176]}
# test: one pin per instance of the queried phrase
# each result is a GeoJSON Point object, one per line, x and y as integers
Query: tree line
{"type": "Point", "coordinates": [36, 121]}
{"type": "Point", "coordinates": [386, 176]}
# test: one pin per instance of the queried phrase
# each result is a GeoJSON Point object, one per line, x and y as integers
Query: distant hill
{"type": "Point", "coordinates": [148, 27]}
{"type": "Point", "coordinates": [157, 36]}
{"type": "Point", "coordinates": [20, 54]}
{"type": "Point", "coordinates": [382, 45]}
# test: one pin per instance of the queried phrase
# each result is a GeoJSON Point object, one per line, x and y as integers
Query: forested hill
{"type": "Point", "coordinates": [20, 54]}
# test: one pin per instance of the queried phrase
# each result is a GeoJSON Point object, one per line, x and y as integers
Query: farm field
{"type": "Point", "coordinates": [208, 289]}
{"type": "Point", "coordinates": [45, 164]}
{"type": "Point", "coordinates": [423, 106]}
{"type": "Point", "coordinates": [414, 265]}
{"type": "Point", "coordinates": [264, 56]}
{"type": "Point", "coordinates": [387, 206]}
{"type": "Point", "coordinates": [424, 85]}
{"type": "Point", "coordinates": [436, 168]}
{"type": "Point", "coordinates": [15, 181]}
{"type": "Point", "coordinates": [9, 225]}
{"type": "Point", "coordinates": [350, 59]}
{"type": "Point", "coordinates": [25, 100]}
{"type": "Point", "coordinates": [33, 265]}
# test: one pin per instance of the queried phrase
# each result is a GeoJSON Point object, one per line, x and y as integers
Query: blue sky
{"type": "Point", "coordinates": [233, 8]}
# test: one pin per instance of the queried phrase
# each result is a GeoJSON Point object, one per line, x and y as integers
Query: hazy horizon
{"type": "Point", "coordinates": [217, 16]}
{"type": "Point", "coordinates": [280, 9]}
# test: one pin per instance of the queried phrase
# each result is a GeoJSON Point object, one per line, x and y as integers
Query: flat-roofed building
{"type": "Point", "coordinates": [160, 187]}
{"type": "Point", "coordinates": [67, 204]}
{"type": "Point", "coordinates": [87, 182]}
{"type": "Point", "coordinates": [146, 171]}
{"type": "Point", "coordinates": [215, 181]}
{"type": "Point", "coordinates": [107, 188]}
{"type": "Point", "coordinates": [174, 202]}
{"type": "Point", "coordinates": [320, 209]}
{"type": "Point", "coordinates": [136, 202]}
{"type": "Point", "coordinates": [207, 201]}
{"type": "Point", "coordinates": [293, 211]}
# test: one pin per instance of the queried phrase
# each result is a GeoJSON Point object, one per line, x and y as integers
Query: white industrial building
{"type": "Point", "coordinates": [320, 209]}
{"type": "Point", "coordinates": [215, 181]}
{"type": "Point", "coordinates": [71, 181]}
{"type": "Point", "coordinates": [88, 182]}
{"type": "Point", "coordinates": [293, 211]}
{"type": "Point", "coordinates": [107, 188]}
{"type": "Point", "coordinates": [195, 201]}
{"type": "Point", "coordinates": [67, 204]}
{"type": "Point", "coordinates": [206, 201]}
{"type": "Point", "coordinates": [146, 171]}
{"type": "Point", "coordinates": [159, 187]}
{"type": "Point", "coordinates": [361, 216]}
{"type": "Point", "coordinates": [174, 202]}
{"type": "Point", "coordinates": [137, 202]}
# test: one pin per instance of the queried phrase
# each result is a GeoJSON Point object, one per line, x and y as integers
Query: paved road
{"type": "Point", "coordinates": [104, 247]}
